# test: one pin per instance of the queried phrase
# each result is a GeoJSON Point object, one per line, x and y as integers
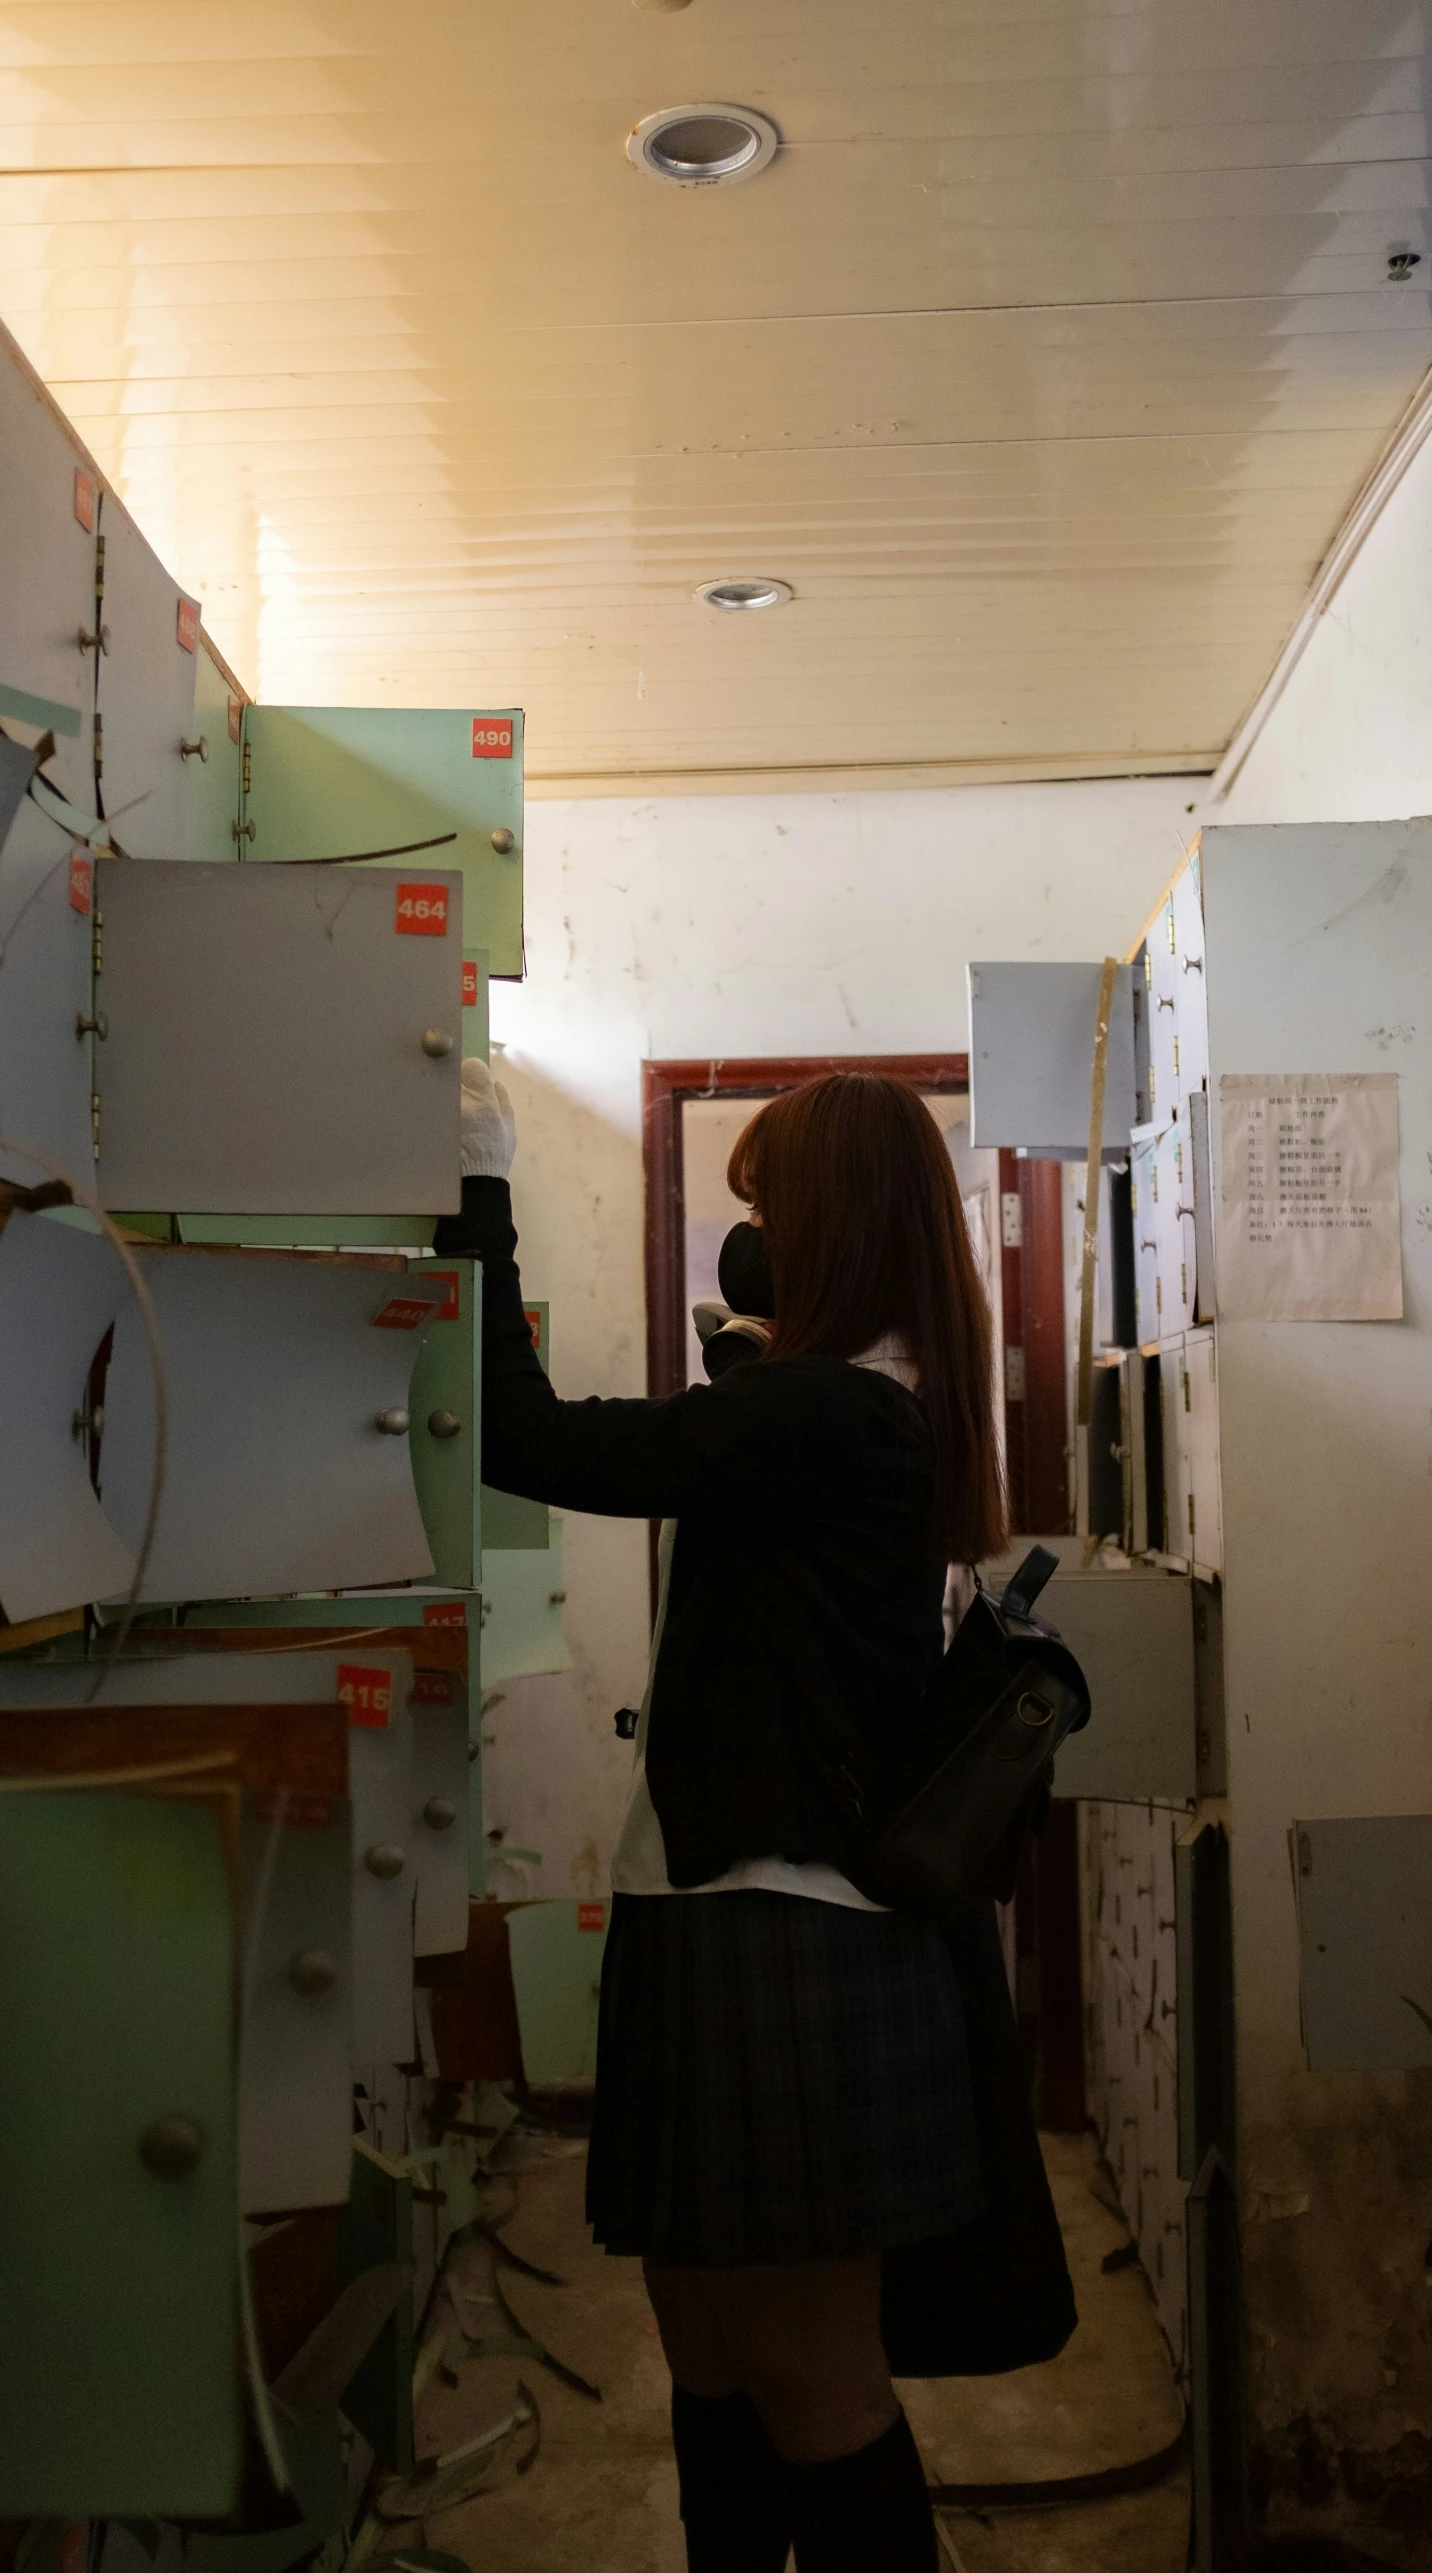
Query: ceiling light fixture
{"type": "Point", "coordinates": [736, 597]}
{"type": "Point", "coordinates": [703, 147]}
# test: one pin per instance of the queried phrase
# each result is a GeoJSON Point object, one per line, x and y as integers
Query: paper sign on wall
{"type": "Point", "coordinates": [1311, 1211]}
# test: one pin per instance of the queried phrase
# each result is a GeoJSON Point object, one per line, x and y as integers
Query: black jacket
{"type": "Point", "coordinates": [804, 1608]}
{"type": "Point", "coordinates": [802, 1617]}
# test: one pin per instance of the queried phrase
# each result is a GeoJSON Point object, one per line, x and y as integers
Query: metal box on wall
{"type": "Point", "coordinates": [1032, 1054]}
{"type": "Point", "coordinates": [1132, 1632]}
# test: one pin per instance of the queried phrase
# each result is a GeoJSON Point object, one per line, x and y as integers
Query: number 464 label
{"type": "Point", "coordinates": [422, 911]}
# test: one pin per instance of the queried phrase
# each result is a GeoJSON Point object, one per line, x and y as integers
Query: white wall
{"type": "Point", "coordinates": [1350, 739]}
{"type": "Point", "coordinates": [798, 924]}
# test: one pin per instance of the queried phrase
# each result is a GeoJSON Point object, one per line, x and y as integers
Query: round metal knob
{"type": "Point", "coordinates": [97, 1026]}
{"type": "Point", "coordinates": [172, 2146]}
{"type": "Point", "coordinates": [393, 1422]}
{"type": "Point", "coordinates": [444, 1424]}
{"type": "Point", "coordinates": [504, 841]}
{"type": "Point", "coordinates": [385, 1859]}
{"type": "Point", "coordinates": [196, 750]}
{"type": "Point", "coordinates": [96, 642]}
{"type": "Point", "coordinates": [438, 1814]}
{"type": "Point", "coordinates": [437, 1042]}
{"type": "Point", "coordinates": [311, 1972]}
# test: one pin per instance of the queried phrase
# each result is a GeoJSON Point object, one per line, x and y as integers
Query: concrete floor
{"type": "Point", "coordinates": [601, 2494]}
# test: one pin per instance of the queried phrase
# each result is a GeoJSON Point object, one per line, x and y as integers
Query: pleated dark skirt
{"type": "Point", "coordinates": [777, 2079]}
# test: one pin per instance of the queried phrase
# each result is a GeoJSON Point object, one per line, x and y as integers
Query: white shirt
{"type": "Point", "coordinates": [639, 1860]}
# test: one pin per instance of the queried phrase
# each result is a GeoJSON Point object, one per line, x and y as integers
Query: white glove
{"type": "Point", "coordinates": [489, 1128]}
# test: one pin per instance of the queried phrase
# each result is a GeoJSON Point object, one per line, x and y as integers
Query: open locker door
{"type": "Point", "coordinates": [327, 782]}
{"type": "Point", "coordinates": [283, 1040]}
{"type": "Point", "coordinates": [144, 700]}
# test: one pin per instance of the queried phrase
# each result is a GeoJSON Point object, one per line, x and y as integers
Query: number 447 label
{"type": "Point", "coordinates": [422, 911]}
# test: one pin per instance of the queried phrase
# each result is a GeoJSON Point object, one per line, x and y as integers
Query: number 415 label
{"type": "Point", "coordinates": [422, 911]}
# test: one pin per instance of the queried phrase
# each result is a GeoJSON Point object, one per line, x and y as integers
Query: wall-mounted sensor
{"type": "Point", "coordinates": [703, 147]}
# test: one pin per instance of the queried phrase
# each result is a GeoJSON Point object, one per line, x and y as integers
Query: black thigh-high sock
{"type": "Point", "coordinates": [869, 2509]}
{"type": "Point", "coordinates": [734, 2500]}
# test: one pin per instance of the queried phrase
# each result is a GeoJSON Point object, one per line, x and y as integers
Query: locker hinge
{"type": "Point", "coordinates": [1183, 1280]}
{"type": "Point", "coordinates": [1011, 1219]}
{"type": "Point", "coordinates": [1183, 1371]}
{"type": "Point", "coordinates": [246, 766]}
{"type": "Point", "coordinates": [1190, 1514]}
{"type": "Point", "coordinates": [94, 1121]}
{"type": "Point", "coordinates": [97, 942]}
{"type": "Point", "coordinates": [99, 569]}
{"type": "Point", "coordinates": [98, 745]}
{"type": "Point", "coordinates": [1013, 1373]}
{"type": "Point", "coordinates": [1175, 1058]}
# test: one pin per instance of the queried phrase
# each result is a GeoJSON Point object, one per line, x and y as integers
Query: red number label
{"type": "Point", "coordinates": [236, 714]}
{"type": "Point", "coordinates": [367, 1694]}
{"type": "Point", "coordinates": [591, 1916]}
{"type": "Point", "coordinates": [450, 1310]}
{"type": "Point", "coordinates": [492, 736]}
{"type": "Point", "coordinates": [188, 626]}
{"type": "Point", "coordinates": [469, 987]}
{"type": "Point", "coordinates": [432, 1688]}
{"type": "Point", "coordinates": [81, 883]}
{"type": "Point", "coordinates": [84, 500]}
{"type": "Point", "coordinates": [533, 1316]}
{"type": "Point", "coordinates": [444, 1612]}
{"type": "Point", "coordinates": [402, 1313]}
{"type": "Point", "coordinates": [422, 911]}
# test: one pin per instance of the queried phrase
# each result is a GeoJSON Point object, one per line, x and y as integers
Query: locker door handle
{"type": "Point", "coordinates": [97, 1026]}
{"type": "Point", "coordinates": [385, 1860]}
{"type": "Point", "coordinates": [444, 1424]}
{"type": "Point", "coordinates": [437, 1042]}
{"type": "Point", "coordinates": [172, 2146]}
{"type": "Point", "coordinates": [96, 642]}
{"type": "Point", "coordinates": [393, 1422]}
{"type": "Point", "coordinates": [438, 1814]}
{"type": "Point", "coordinates": [196, 750]}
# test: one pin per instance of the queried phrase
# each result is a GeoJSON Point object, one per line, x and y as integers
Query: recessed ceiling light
{"type": "Point", "coordinates": [702, 147]}
{"type": "Point", "coordinates": [736, 597]}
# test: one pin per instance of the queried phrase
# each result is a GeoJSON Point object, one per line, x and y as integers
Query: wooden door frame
{"type": "Point", "coordinates": [1031, 1260]}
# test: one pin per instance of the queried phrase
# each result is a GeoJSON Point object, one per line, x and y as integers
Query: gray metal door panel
{"type": "Point", "coordinates": [295, 2076]}
{"type": "Point", "coordinates": [1032, 1055]}
{"type": "Point", "coordinates": [381, 1777]}
{"type": "Point", "coordinates": [176, 1679]}
{"type": "Point", "coordinates": [439, 1827]}
{"type": "Point", "coordinates": [146, 695]}
{"type": "Point", "coordinates": [45, 941]}
{"type": "Point", "coordinates": [1163, 978]}
{"type": "Point", "coordinates": [1132, 1632]}
{"type": "Point", "coordinates": [1146, 1248]}
{"type": "Point", "coordinates": [1364, 1906]}
{"type": "Point", "coordinates": [47, 594]}
{"type": "Point", "coordinates": [1191, 984]}
{"type": "Point", "coordinates": [59, 1292]}
{"type": "Point", "coordinates": [277, 1477]}
{"type": "Point", "coordinates": [265, 1050]}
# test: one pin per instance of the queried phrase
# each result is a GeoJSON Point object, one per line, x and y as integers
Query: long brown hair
{"type": "Point", "coordinates": [866, 1235]}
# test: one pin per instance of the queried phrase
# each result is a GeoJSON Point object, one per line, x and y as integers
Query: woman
{"type": "Point", "coordinates": [783, 2092]}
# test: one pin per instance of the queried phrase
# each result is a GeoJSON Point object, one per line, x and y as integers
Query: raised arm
{"type": "Point", "coordinates": [624, 1459]}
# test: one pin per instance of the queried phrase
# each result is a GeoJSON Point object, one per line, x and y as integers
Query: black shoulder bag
{"type": "Point", "coordinates": [1005, 1694]}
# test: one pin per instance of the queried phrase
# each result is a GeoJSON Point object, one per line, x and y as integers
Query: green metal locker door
{"type": "Point", "coordinates": [119, 2390]}
{"type": "Point", "coordinates": [335, 781]}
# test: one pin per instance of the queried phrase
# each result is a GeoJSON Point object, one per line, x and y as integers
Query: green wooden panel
{"type": "Point", "coordinates": [329, 781]}
{"type": "Point", "coordinates": [557, 1951]}
{"type": "Point", "coordinates": [447, 1380]}
{"type": "Point", "coordinates": [378, 2226]}
{"type": "Point", "coordinates": [213, 782]}
{"type": "Point", "coordinates": [415, 1607]}
{"type": "Point", "coordinates": [509, 1521]}
{"type": "Point", "coordinates": [522, 1599]}
{"type": "Point", "coordinates": [119, 2390]}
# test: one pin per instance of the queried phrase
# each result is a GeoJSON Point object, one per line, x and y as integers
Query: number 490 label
{"type": "Point", "coordinates": [422, 911]}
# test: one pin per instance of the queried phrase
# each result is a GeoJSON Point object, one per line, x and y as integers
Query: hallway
{"type": "Point", "coordinates": [600, 2496]}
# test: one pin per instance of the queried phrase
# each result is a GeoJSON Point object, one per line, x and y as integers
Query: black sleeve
{"type": "Point", "coordinates": [710, 1448]}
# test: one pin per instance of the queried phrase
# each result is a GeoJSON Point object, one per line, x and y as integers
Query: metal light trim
{"type": "Point", "coordinates": [758, 144]}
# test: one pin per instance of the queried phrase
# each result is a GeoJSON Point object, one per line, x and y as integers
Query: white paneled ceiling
{"type": "Point", "coordinates": [1043, 361]}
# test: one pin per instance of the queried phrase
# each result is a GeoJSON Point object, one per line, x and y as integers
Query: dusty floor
{"type": "Point", "coordinates": [600, 2496]}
